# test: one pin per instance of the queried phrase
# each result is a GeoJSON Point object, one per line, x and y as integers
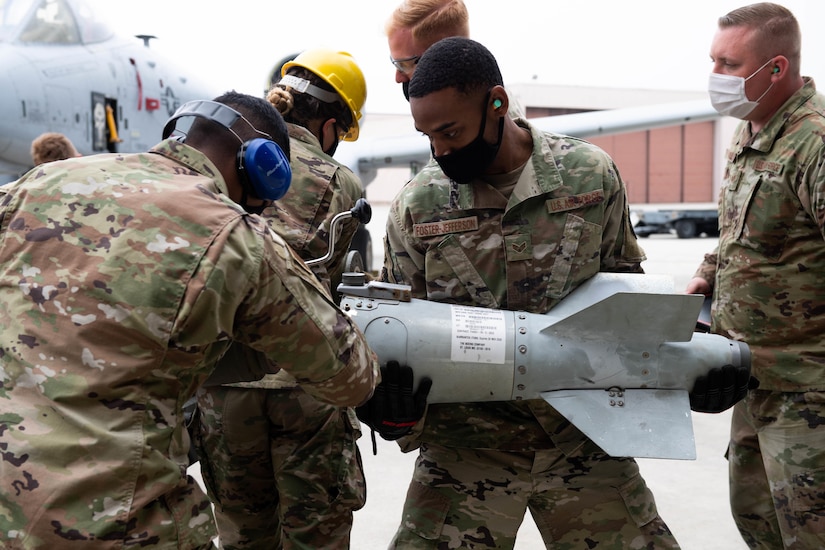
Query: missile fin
{"type": "Point", "coordinates": [633, 317]}
{"type": "Point", "coordinates": [603, 285]}
{"type": "Point", "coordinates": [644, 423]}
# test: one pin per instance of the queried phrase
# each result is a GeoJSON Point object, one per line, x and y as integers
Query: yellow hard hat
{"type": "Point", "coordinates": [339, 70]}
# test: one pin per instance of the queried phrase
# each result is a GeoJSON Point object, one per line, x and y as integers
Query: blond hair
{"type": "Point", "coordinates": [430, 20]}
{"type": "Point", "coordinates": [281, 98]}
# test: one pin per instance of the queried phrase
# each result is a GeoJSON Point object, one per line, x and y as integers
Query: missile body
{"type": "Point", "coordinates": [617, 357]}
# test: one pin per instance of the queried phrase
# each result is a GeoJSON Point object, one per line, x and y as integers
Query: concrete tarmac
{"type": "Point", "coordinates": [692, 496]}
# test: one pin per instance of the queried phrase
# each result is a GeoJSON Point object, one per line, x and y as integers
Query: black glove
{"type": "Point", "coordinates": [394, 409]}
{"type": "Point", "coordinates": [721, 389]}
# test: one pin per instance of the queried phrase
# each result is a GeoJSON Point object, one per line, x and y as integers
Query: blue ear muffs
{"type": "Point", "coordinates": [263, 168]}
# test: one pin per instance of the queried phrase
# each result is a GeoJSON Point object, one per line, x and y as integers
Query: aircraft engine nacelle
{"type": "Point", "coordinates": [617, 357]}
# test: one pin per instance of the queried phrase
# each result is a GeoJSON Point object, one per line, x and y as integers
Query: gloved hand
{"type": "Point", "coordinates": [394, 409]}
{"type": "Point", "coordinates": [721, 388]}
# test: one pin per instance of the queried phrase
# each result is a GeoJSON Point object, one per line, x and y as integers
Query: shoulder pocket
{"type": "Point", "coordinates": [577, 258]}
{"type": "Point", "coordinates": [762, 214]}
{"type": "Point", "coordinates": [450, 274]}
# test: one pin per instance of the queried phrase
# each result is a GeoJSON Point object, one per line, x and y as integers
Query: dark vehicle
{"type": "Point", "coordinates": [686, 223]}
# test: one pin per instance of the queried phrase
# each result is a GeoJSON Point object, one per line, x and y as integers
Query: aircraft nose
{"type": "Point", "coordinates": [18, 80]}
{"type": "Point", "coordinates": [9, 102]}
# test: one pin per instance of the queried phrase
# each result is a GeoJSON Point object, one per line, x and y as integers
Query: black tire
{"type": "Point", "coordinates": [362, 242]}
{"type": "Point", "coordinates": [685, 229]}
{"type": "Point", "coordinates": [712, 230]}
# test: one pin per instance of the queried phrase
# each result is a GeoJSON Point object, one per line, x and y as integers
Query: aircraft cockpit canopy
{"type": "Point", "coordinates": [44, 22]}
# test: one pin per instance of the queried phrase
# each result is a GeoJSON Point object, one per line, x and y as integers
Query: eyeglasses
{"type": "Point", "coordinates": [344, 123]}
{"type": "Point", "coordinates": [343, 131]}
{"type": "Point", "coordinates": [406, 65]}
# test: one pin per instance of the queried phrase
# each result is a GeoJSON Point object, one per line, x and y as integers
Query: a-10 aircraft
{"type": "Point", "coordinates": [63, 69]}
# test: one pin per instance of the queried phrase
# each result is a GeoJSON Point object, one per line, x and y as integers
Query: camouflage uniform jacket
{"type": "Point", "coordinates": [768, 270]}
{"type": "Point", "coordinates": [566, 219]}
{"type": "Point", "coordinates": [122, 277]}
{"type": "Point", "coordinates": [321, 188]}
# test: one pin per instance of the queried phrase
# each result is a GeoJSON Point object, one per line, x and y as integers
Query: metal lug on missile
{"type": "Point", "coordinates": [354, 284]}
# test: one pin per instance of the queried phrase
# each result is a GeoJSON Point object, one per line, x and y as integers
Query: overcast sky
{"type": "Point", "coordinates": [627, 44]}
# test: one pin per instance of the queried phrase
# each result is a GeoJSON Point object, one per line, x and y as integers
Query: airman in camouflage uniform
{"type": "Point", "coordinates": [123, 278]}
{"type": "Point", "coordinates": [767, 277]}
{"type": "Point", "coordinates": [546, 214]}
{"type": "Point", "coordinates": [283, 468]}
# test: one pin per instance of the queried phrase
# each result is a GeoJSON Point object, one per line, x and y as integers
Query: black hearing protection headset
{"type": "Point", "coordinates": [262, 165]}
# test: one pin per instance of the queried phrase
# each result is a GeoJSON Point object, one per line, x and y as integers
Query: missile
{"type": "Point", "coordinates": [617, 357]}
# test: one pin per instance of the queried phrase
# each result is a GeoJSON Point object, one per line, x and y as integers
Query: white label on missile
{"type": "Point", "coordinates": [478, 335]}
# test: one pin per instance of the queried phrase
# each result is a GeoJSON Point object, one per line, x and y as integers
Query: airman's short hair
{"type": "Point", "coordinates": [52, 146]}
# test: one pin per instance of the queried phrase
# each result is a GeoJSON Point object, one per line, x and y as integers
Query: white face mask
{"type": "Point", "coordinates": [727, 93]}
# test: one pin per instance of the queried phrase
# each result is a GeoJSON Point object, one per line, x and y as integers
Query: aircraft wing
{"type": "Point", "coordinates": [412, 149]}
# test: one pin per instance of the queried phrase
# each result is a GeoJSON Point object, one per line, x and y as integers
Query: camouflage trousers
{"type": "Point", "coordinates": [776, 463]}
{"type": "Point", "coordinates": [467, 498]}
{"type": "Point", "coordinates": [282, 468]}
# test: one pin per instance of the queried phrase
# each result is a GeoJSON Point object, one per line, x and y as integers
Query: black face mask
{"type": "Point", "coordinates": [334, 147]}
{"type": "Point", "coordinates": [405, 87]}
{"type": "Point", "coordinates": [245, 194]}
{"type": "Point", "coordinates": [465, 164]}
{"type": "Point", "coordinates": [255, 209]}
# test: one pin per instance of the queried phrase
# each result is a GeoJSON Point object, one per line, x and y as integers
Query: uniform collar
{"type": "Point", "coordinates": [539, 176]}
{"type": "Point", "coordinates": [192, 159]}
{"type": "Point", "coordinates": [764, 140]}
{"type": "Point", "coordinates": [302, 134]}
